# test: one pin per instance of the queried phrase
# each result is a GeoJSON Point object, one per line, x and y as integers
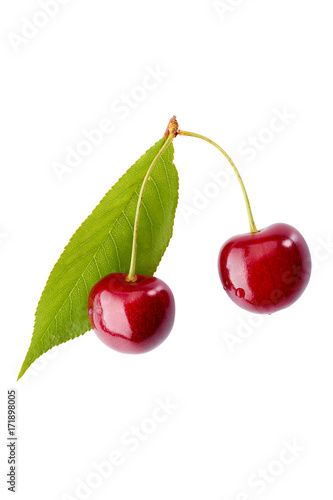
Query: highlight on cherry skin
{"type": "Point", "coordinates": [267, 270]}
{"type": "Point", "coordinates": [131, 316]}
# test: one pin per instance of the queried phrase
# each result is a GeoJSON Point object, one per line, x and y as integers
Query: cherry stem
{"type": "Point", "coordinates": [172, 132]}
{"type": "Point", "coordinates": [246, 198]}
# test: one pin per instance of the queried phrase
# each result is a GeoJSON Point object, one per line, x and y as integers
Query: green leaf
{"type": "Point", "coordinates": [102, 245]}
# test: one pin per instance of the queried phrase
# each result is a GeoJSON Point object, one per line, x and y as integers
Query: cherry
{"type": "Point", "coordinates": [128, 312]}
{"type": "Point", "coordinates": [262, 271]}
{"type": "Point", "coordinates": [131, 316]}
{"type": "Point", "coordinates": [265, 271]}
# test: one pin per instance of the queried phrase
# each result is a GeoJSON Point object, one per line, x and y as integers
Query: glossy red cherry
{"type": "Point", "coordinates": [265, 271]}
{"type": "Point", "coordinates": [131, 316]}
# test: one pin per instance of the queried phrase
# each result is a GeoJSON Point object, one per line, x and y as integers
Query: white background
{"type": "Point", "coordinates": [225, 75]}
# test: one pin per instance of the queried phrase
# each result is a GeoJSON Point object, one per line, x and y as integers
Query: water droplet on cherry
{"type": "Point", "coordinates": [240, 293]}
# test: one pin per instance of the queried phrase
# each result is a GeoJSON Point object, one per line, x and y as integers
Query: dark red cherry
{"type": "Point", "coordinates": [131, 317]}
{"type": "Point", "coordinates": [266, 271]}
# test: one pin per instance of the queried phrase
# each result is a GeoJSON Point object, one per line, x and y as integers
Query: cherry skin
{"type": "Point", "coordinates": [266, 271]}
{"type": "Point", "coordinates": [131, 316]}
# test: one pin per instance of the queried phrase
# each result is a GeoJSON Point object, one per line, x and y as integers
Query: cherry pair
{"type": "Point", "coordinates": [261, 271]}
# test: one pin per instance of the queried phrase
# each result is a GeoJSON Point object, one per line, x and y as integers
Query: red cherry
{"type": "Point", "coordinates": [265, 271]}
{"type": "Point", "coordinates": [131, 316]}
